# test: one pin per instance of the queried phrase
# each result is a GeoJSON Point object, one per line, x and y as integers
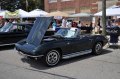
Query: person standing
{"type": "Point", "coordinates": [2, 22]}
{"type": "Point", "coordinates": [54, 25]}
{"type": "Point", "coordinates": [114, 34]}
{"type": "Point", "coordinates": [64, 21]}
{"type": "Point", "coordinates": [79, 24]}
{"type": "Point", "coordinates": [69, 24]}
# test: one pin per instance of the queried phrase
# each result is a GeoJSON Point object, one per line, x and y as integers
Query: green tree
{"type": "Point", "coordinates": [27, 5]}
{"type": "Point", "coordinates": [8, 4]}
{"type": "Point", "coordinates": [39, 4]}
{"type": "Point", "coordinates": [32, 4]}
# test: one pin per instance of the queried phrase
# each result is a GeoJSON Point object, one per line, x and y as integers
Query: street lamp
{"type": "Point", "coordinates": [104, 17]}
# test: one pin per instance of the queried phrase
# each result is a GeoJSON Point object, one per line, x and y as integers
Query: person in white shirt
{"type": "Point", "coordinates": [69, 24]}
{"type": "Point", "coordinates": [79, 24]}
{"type": "Point", "coordinates": [64, 22]}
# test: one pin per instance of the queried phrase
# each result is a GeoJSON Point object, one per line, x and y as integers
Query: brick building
{"type": "Point", "coordinates": [69, 6]}
{"type": "Point", "coordinates": [76, 6]}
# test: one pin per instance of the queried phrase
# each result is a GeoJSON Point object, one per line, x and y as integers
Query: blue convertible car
{"type": "Point", "coordinates": [65, 43]}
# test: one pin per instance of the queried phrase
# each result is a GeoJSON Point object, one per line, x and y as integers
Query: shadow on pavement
{"type": "Point", "coordinates": [6, 47]}
{"type": "Point", "coordinates": [37, 64]}
{"type": "Point", "coordinates": [79, 58]}
{"type": "Point", "coordinates": [114, 46]}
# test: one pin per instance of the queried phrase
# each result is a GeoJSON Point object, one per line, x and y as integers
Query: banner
{"type": "Point", "coordinates": [12, 14]}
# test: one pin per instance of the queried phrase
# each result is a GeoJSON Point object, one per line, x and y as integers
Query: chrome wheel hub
{"type": "Point", "coordinates": [52, 57]}
{"type": "Point", "coordinates": [98, 48]}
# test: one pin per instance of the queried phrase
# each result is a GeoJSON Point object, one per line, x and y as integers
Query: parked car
{"type": "Point", "coordinates": [13, 32]}
{"type": "Point", "coordinates": [65, 43]}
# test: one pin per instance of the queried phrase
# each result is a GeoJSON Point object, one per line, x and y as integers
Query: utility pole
{"type": "Point", "coordinates": [104, 17]}
{"type": "Point", "coordinates": [26, 2]}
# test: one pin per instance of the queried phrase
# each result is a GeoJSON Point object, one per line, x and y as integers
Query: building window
{"type": "Point", "coordinates": [51, 1]}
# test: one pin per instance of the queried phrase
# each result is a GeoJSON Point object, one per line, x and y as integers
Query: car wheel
{"type": "Point", "coordinates": [97, 48]}
{"type": "Point", "coordinates": [52, 58]}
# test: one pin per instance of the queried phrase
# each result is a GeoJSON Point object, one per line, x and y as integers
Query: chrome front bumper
{"type": "Point", "coordinates": [26, 55]}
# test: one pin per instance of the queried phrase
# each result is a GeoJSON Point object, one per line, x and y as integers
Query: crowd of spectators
{"type": "Point", "coordinates": [68, 23]}
{"type": "Point", "coordinates": [4, 22]}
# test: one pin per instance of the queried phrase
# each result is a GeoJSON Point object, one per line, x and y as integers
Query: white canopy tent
{"type": "Point", "coordinates": [111, 11]}
{"type": "Point", "coordinates": [37, 13]}
{"type": "Point", "coordinates": [3, 13]}
{"type": "Point", "coordinates": [58, 14]}
{"type": "Point", "coordinates": [81, 15]}
{"type": "Point", "coordinates": [23, 14]}
{"type": "Point", "coordinates": [17, 14]}
{"type": "Point", "coordinates": [114, 6]}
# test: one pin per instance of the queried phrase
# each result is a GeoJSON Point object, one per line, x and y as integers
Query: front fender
{"type": "Point", "coordinates": [101, 39]}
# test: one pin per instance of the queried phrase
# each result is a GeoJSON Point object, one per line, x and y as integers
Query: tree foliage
{"type": "Point", "coordinates": [7, 4]}
{"type": "Point", "coordinates": [27, 5]}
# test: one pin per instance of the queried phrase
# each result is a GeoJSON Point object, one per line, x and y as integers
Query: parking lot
{"type": "Point", "coordinates": [105, 66]}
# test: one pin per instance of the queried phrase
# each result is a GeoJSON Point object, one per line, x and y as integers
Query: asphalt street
{"type": "Point", "coordinates": [105, 66]}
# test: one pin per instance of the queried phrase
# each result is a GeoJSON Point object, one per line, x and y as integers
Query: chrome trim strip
{"type": "Point", "coordinates": [76, 54]}
{"type": "Point", "coordinates": [7, 44]}
{"type": "Point", "coordinates": [29, 55]}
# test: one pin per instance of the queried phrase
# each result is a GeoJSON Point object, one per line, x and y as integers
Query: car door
{"type": "Point", "coordinates": [80, 43]}
{"type": "Point", "coordinates": [18, 33]}
{"type": "Point", "coordinates": [17, 36]}
{"type": "Point", "coordinates": [77, 44]}
{"type": "Point", "coordinates": [4, 38]}
{"type": "Point", "coordinates": [68, 45]}
{"type": "Point", "coordinates": [12, 36]}
{"type": "Point", "coordinates": [84, 42]}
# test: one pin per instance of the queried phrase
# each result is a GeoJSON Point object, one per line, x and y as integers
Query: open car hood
{"type": "Point", "coordinates": [33, 41]}
{"type": "Point", "coordinates": [38, 30]}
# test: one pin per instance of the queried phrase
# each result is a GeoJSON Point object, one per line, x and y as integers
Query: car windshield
{"type": "Point", "coordinates": [10, 27]}
{"type": "Point", "coordinates": [6, 27]}
{"type": "Point", "coordinates": [66, 32]}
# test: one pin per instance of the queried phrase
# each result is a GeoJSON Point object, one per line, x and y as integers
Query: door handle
{"type": "Point", "coordinates": [68, 43]}
{"type": "Point", "coordinates": [90, 39]}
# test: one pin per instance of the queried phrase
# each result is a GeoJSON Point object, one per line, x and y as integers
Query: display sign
{"type": "Point", "coordinates": [12, 14]}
